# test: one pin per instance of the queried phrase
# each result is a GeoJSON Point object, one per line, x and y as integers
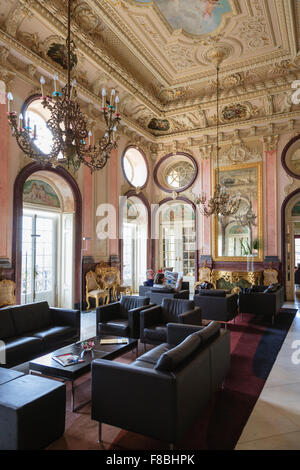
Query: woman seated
{"type": "Point", "coordinates": [160, 281]}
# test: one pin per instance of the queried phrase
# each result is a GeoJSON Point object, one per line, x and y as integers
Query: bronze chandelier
{"type": "Point", "coordinates": [71, 140]}
{"type": "Point", "coordinates": [221, 203]}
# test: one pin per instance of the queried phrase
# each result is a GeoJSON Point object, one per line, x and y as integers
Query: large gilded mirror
{"type": "Point", "coordinates": [239, 237]}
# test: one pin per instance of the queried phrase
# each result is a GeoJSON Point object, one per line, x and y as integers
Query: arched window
{"type": "Point", "coordinates": [175, 172]}
{"type": "Point", "coordinates": [135, 167]}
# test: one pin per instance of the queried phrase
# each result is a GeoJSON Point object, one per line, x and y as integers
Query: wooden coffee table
{"type": "Point", "coordinates": [47, 366]}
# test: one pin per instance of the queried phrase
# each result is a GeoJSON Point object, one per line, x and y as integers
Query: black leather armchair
{"type": "Point", "coordinates": [220, 307]}
{"type": "Point", "coordinates": [121, 318]}
{"type": "Point", "coordinates": [153, 322]}
{"type": "Point", "coordinates": [261, 303]}
{"type": "Point", "coordinates": [165, 390]}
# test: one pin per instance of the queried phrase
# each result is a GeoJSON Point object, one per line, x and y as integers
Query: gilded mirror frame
{"type": "Point", "coordinates": [260, 255]}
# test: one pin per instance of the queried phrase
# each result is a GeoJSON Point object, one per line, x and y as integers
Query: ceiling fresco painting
{"type": "Point", "coordinates": [194, 16]}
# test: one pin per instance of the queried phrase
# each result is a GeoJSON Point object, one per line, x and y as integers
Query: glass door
{"type": "Point", "coordinates": [39, 257]}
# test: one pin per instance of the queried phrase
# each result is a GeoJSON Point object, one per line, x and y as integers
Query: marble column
{"type": "Point", "coordinates": [206, 183]}
{"type": "Point", "coordinates": [4, 183]}
{"type": "Point", "coordinates": [270, 206]}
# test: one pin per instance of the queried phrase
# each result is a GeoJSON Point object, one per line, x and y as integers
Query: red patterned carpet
{"type": "Point", "coordinates": [254, 348]}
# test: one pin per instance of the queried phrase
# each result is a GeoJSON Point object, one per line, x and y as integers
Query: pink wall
{"type": "Point", "coordinates": [4, 180]}
{"type": "Point", "coordinates": [87, 212]}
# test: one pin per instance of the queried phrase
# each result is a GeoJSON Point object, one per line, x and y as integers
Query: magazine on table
{"type": "Point", "coordinates": [67, 359]}
{"type": "Point", "coordinates": [113, 341]}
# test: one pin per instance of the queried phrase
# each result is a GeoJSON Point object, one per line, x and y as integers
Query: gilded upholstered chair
{"type": "Point", "coordinates": [270, 276]}
{"type": "Point", "coordinates": [94, 290]}
{"type": "Point", "coordinates": [122, 289]}
{"type": "Point", "coordinates": [204, 275]}
{"type": "Point", "coordinates": [107, 278]}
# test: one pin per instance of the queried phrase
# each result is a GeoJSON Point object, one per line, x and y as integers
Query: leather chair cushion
{"type": "Point", "coordinates": [173, 307]}
{"type": "Point", "coordinates": [55, 335]}
{"type": "Point", "coordinates": [208, 333]}
{"type": "Point", "coordinates": [116, 327]}
{"type": "Point", "coordinates": [7, 328]}
{"type": "Point", "coordinates": [175, 357]}
{"type": "Point", "coordinates": [31, 317]}
{"type": "Point", "coordinates": [6, 375]}
{"type": "Point", "coordinates": [154, 354]}
{"type": "Point", "coordinates": [212, 292]}
{"type": "Point", "coordinates": [156, 333]}
{"type": "Point", "coordinates": [20, 350]}
{"type": "Point", "coordinates": [129, 302]}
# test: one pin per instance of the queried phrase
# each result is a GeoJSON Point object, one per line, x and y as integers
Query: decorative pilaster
{"type": "Point", "coordinates": [6, 221]}
{"type": "Point", "coordinates": [206, 184]}
{"type": "Point", "coordinates": [270, 206]}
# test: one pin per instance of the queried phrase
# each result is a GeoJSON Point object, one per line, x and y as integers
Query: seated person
{"type": "Point", "coordinates": [160, 281]}
{"type": "Point", "coordinates": [150, 278]}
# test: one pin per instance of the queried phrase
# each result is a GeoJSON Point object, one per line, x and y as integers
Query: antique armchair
{"type": "Point", "coordinates": [7, 293]}
{"type": "Point", "coordinates": [270, 276]}
{"type": "Point", "coordinates": [107, 278]}
{"type": "Point", "coordinates": [204, 275]}
{"type": "Point", "coordinates": [94, 290]}
{"type": "Point", "coordinates": [122, 289]}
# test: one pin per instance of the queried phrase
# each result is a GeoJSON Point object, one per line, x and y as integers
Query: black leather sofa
{"type": "Point", "coordinates": [261, 303]}
{"type": "Point", "coordinates": [165, 390]}
{"type": "Point", "coordinates": [217, 305]}
{"type": "Point", "coordinates": [154, 320]}
{"type": "Point", "coordinates": [31, 330]}
{"type": "Point", "coordinates": [32, 411]}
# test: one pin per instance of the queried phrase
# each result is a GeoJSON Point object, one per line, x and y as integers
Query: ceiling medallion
{"type": "Point", "coordinates": [221, 203]}
{"type": "Point", "coordinates": [72, 142]}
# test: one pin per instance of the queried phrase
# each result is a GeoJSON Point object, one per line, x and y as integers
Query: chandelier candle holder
{"type": "Point", "coordinates": [222, 203]}
{"type": "Point", "coordinates": [71, 139]}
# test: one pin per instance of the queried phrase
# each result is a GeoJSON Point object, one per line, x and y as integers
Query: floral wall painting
{"type": "Point", "coordinates": [201, 16]}
{"type": "Point", "coordinates": [40, 192]}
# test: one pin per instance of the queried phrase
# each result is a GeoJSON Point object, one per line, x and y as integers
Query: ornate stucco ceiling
{"type": "Point", "coordinates": [160, 56]}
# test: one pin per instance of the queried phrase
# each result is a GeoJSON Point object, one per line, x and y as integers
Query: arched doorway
{"type": "Point", "coordinates": [176, 238]}
{"type": "Point", "coordinates": [68, 192]}
{"type": "Point", "coordinates": [291, 243]}
{"type": "Point", "coordinates": [135, 239]}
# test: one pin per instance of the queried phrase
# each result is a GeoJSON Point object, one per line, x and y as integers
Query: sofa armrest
{"type": "Point", "coordinates": [177, 332]}
{"type": "Point", "coordinates": [134, 316]}
{"type": "Point", "coordinates": [151, 316]}
{"type": "Point", "coordinates": [232, 303]}
{"type": "Point", "coordinates": [108, 312]}
{"type": "Point", "coordinates": [65, 317]}
{"type": "Point", "coordinates": [192, 317]}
